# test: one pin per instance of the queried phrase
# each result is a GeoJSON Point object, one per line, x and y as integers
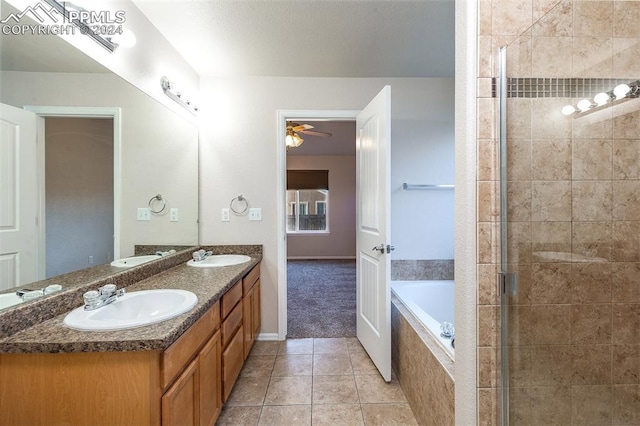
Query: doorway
{"type": "Point", "coordinates": [78, 193]}
{"type": "Point", "coordinates": [85, 140]}
{"type": "Point", "coordinates": [321, 229]}
{"type": "Point", "coordinates": [303, 116]}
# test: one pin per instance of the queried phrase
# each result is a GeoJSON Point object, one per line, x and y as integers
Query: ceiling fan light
{"type": "Point", "coordinates": [292, 140]}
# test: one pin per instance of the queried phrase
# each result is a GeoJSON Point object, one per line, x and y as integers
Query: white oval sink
{"type": "Point", "coordinates": [218, 260]}
{"type": "Point", "coordinates": [135, 309]}
{"type": "Point", "coordinates": [9, 299]}
{"type": "Point", "coordinates": [128, 262]}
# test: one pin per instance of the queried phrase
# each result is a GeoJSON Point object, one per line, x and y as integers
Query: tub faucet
{"type": "Point", "coordinates": [446, 330]}
{"type": "Point", "coordinates": [105, 295]}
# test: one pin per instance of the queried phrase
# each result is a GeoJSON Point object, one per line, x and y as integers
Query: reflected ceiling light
{"type": "Point", "coordinates": [292, 140]}
{"type": "Point", "coordinates": [601, 98]}
{"type": "Point", "coordinates": [168, 87]}
{"type": "Point", "coordinates": [584, 105]}
{"type": "Point", "coordinates": [621, 90]}
{"type": "Point", "coordinates": [84, 28]}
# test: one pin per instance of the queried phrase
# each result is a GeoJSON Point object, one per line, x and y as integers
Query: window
{"type": "Point", "coordinates": [307, 201]}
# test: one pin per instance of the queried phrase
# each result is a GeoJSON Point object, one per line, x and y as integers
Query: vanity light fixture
{"type": "Point", "coordinates": [584, 105]}
{"type": "Point", "coordinates": [600, 100]}
{"type": "Point", "coordinates": [84, 28]}
{"type": "Point", "coordinates": [169, 89]}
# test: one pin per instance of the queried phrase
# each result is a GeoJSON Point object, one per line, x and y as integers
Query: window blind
{"type": "Point", "coordinates": [307, 179]}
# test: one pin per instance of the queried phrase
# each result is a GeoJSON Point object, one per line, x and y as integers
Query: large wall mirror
{"type": "Point", "coordinates": [95, 173]}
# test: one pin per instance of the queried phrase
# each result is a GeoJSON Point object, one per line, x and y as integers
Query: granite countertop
{"type": "Point", "coordinates": [208, 284]}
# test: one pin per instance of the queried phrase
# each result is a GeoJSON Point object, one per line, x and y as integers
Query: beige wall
{"type": "Point", "coordinates": [341, 241]}
{"type": "Point", "coordinates": [159, 152]}
{"type": "Point", "coordinates": [239, 151]}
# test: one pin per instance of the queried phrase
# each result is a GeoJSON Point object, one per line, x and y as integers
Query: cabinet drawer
{"type": "Point", "coordinates": [230, 299]}
{"type": "Point", "coordinates": [231, 324]}
{"type": "Point", "coordinates": [232, 359]}
{"type": "Point", "coordinates": [250, 279]}
{"type": "Point", "coordinates": [182, 350]}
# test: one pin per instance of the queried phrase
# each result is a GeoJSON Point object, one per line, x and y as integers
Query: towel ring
{"type": "Point", "coordinates": [239, 205]}
{"type": "Point", "coordinates": [157, 199]}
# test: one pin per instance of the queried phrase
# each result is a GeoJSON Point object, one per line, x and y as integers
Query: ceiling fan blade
{"type": "Point", "coordinates": [300, 127]}
{"type": "Point", "coordinates": [314, 133]}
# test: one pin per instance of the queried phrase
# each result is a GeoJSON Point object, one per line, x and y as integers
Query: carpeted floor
{"type": "Point", "coordinates": [321, 298]}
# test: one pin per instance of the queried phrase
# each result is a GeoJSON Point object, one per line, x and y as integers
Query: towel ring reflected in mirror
{"type": "Point", "coordinates": [239, 205]}
{"type": "Point", "coordinates": [157, 204]}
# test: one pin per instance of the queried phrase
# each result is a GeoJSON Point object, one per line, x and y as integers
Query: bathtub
{"type": "Point", "coordinates": [432, 303]}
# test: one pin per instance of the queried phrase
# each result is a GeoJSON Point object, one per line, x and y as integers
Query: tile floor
{"type": "Point", "coordinates": [314, 382]}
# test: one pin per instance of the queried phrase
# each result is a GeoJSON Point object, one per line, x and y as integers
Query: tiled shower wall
{"type": "Point", "coordinates": [574, 187]}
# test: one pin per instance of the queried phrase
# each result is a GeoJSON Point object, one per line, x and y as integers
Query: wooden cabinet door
{"type": "Point", "coordinates": [181, 403]}
{"type": "Point", "coordinates": [210, 364]}
{"type": "Point", "coordinates": [232, 360]}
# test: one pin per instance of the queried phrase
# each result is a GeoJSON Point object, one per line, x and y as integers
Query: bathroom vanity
{"type": "Point", "coordinates": [179, 371]}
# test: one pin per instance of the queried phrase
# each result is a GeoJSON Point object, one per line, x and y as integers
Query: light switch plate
{"type": "Point", "coordinates": [255, 213]}
{"type": "Point", "coordinates": [144, 213]}
{"type": "Point", "coordinates": [173, 215]}
{"type": "Point", "coordinates": [225, 215]}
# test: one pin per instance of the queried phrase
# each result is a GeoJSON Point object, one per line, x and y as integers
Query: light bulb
{"type": "Point", "coordinates": [584, 105]}
{"type": "Point", "coordinates": [621, 90]}
{"type": "Point", "coordinates": [568, 110]}
{"type": "Point", "coordinates": [125, 40]}
{"type": "Point", "coordinates": [601, 98]}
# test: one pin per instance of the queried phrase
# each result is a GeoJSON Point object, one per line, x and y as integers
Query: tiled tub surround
{"type": "Point", "coordinates": [37, 326]}
{"type": "Point", "coordinates": [421, 269]}
{"type": "Point", "coordinates": [424, 370]}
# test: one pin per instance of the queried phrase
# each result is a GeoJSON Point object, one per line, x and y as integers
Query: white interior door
{"type": "Point", "coordinates": [373, 133]}
{"type": "Point", "coordinates": [18, 197]}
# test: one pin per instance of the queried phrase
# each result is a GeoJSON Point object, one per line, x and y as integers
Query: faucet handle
{"type": "Point", "coordinates": [108, 289]}
{"type": "Point", "coordinates": [91, 298]}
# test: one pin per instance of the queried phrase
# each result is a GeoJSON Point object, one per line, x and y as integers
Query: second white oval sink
{"type": "Point", "coordinates": [128, 262]}
{"type": "Point", "coordinates": [135, 309]}
{"type": "Point", "coordinates": [218, 260]}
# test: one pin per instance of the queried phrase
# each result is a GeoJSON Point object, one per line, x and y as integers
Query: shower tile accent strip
{"type": "Point", "coordinates": [526, 87]}
{"type": "Point", "coordinates": [419, 270]}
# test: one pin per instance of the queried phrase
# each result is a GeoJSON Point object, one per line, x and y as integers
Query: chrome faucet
{"type": "Point", "coordinates": [105, 295]}
{"type": "Point", "coordinates": [200, 255]}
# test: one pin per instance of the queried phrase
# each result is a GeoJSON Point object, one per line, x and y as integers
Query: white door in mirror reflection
{"type": "Point", "coordinates": [18, 197]}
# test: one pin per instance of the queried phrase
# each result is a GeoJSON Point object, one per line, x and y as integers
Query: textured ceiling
{"type": "Point", "coordinates": [310, 38]}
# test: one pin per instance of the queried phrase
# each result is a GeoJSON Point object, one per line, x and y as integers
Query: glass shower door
{"type": "Point", "coordinates": [570, 212]}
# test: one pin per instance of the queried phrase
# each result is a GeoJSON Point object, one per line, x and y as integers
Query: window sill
{"type": "Point", "coordinates": [309, 233]}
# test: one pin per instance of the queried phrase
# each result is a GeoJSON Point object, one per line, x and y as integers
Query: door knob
{"type": "Point", "coordinates": [380, 248]}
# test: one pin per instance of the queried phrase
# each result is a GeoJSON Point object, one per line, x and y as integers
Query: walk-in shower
{"type": "Point", "coordinates": [570, 218]}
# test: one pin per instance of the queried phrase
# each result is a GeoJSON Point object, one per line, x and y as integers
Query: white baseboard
{"type": "Point", "coordinates": [268, 336]}
{"type": "Point", "coordinates": [321, 258]}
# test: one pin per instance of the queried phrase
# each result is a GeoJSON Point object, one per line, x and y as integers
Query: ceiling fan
{"type": "Point", "coordinates": [293, 139]}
